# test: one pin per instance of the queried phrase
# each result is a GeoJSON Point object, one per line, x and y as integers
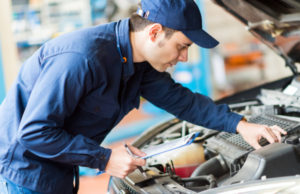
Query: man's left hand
{"type": "Point", "coordinates": [252, 133]}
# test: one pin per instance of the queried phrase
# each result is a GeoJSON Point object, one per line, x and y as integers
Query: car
{"type": "Point", "coordinates": [221, 162]}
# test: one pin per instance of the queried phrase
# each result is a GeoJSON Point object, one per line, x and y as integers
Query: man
{"type": "Point", "coordinates": [77, 87]}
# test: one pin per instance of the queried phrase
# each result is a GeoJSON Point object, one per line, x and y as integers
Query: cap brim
{"type": "Point", "coordinates": [201, 38]}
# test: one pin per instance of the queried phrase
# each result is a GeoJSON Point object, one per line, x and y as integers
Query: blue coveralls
{"type": "Point", "coordinates": [71, 93]}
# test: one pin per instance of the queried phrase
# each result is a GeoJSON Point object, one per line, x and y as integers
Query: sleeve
{"type": "Point", "coordinates": [162, 91]}
{"type": "Point", "coordinates": [63, 80]}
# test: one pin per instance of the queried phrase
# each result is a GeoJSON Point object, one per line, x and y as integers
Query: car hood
{"type": "Point", "coordinates": [275, 23]}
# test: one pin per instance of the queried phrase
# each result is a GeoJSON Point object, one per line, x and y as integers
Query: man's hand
{"type": "Point", "coordinates": [120, 163]}
{"type": "Point", "coordinates": [252, 133]}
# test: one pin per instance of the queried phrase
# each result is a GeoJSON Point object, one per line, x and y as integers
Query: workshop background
{"type": "Point", "coordinates": [238, 63]}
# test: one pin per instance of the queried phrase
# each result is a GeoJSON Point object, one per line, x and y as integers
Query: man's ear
{"type": "Point", "coordinates": [154, 31]}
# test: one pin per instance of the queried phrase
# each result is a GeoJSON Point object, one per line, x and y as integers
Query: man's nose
{"type": "Point", "coordinates": [183, 56]}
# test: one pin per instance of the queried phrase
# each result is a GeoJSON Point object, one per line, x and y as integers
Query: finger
{"type": "Point", "coordinates": [278, 135]}
{"type": "Point", "coordinates": [275, 127]}
{"type": "Point", "coordinates": [133, 168]}
{"type": "Point", "coordinates": [269, 135]}
{"type": "Point", "coordinates": [116, 174]}
{"type": "Point", "coordinates": [277, 131]}
{"type": "Point", "coordinates": [273, 134]}
{"type": "Point", "coordinates": [136, 151]}
{"type": "Point", "coordinates": [139, 161]}
{"type": "Point", "coordinates": [255, 144]}
{"type": "Point", "coordinates": [128, 170]}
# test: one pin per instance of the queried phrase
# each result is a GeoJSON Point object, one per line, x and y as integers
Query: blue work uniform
{"type": "Point", "coordinates": [71, 92]}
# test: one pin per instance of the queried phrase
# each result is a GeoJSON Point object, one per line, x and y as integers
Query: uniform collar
{"type": "Point", "coordinates": [122, 36]}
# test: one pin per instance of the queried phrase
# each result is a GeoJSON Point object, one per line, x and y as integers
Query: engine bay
{"type": "Point", "coordinates": [217, 159]}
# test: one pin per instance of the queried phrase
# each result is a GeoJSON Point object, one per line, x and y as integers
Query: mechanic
{"type": "Point", "coordinates": [73, 90]}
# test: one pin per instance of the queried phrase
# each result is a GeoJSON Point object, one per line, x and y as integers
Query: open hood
{"type": "Point", "coordinates": [276, 23]}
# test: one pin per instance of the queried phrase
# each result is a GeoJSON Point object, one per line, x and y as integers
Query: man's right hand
{"type": "Point", "coordinates": [120, 163]}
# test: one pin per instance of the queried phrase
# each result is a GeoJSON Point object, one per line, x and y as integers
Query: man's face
{"type": "Point", "coordinates": [166, 52]}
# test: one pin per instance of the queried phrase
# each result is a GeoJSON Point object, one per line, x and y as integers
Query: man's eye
{"type": "Point", "coordinates": [182, 47]}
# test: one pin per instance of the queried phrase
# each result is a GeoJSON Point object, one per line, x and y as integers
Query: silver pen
{"type": "Point", "coordinates": [132, 155]}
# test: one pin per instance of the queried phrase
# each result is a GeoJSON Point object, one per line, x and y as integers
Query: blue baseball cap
{"type": "Point", "coordinates": [181, 15]}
